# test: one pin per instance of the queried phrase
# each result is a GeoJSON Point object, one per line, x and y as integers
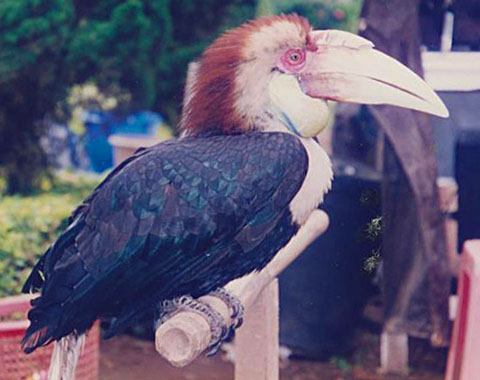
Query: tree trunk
{"type": "Point", "coordinates": [416, 275]}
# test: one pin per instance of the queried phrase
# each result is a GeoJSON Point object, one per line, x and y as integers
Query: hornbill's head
{"type": "Point", "coordinates": [277, 73]}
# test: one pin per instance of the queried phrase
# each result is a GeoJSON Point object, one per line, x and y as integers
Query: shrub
{"type": "Point", "coordinates": [28, 224]}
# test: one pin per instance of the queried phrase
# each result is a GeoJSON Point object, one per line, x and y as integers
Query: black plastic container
{"type": "Point", "coordinates": [468, 178]}
{"type": "Point", "coordinates": [322, 293]}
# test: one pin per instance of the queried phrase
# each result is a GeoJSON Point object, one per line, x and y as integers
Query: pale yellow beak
{"type": "Point", "coordinates": [347, 68]}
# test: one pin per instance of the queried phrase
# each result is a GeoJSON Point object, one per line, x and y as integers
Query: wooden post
{"type": "Point", "coordinates": [125, 145]}
{"type": "Point", "coordinates": [394, 353]}
{"type": "Point", "coordinates": [184, 336]}
{"type": "Point", "coordinates": [448, 197]}
{"type": "Point", "coordinates": [256, 342]}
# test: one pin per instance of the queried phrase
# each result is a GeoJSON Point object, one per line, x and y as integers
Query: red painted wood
{"type": "Point", "coordinates": [15, 364]}
{"type": "Point", "coordinates": [463, 363]}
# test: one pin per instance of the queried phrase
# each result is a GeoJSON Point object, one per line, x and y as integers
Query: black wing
{"type": "Point", "coordinates": [185, 216]}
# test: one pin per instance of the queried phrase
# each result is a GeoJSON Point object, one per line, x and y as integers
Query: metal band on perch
{"type": "Point", "coordinates": [186, 335]}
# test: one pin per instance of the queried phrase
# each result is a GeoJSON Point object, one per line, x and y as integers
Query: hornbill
{"type": "Point", "coordinates": [186, 216]}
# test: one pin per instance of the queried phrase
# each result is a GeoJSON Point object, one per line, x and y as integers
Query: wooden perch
{"type": "Point", "coordinates": [184, 336]}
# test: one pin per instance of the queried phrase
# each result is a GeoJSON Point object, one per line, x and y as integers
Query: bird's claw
{"type": "Point", "coordinates": [237, 311]}
{"type": "Point", "coordinates": [217, 340]}
{"type": "Point", "coordinates": [234, 305]}
{"type": "Point", "coordinates": [219, 330]}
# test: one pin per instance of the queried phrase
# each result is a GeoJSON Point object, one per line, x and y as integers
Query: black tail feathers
{"type": "Point", "coordinates": [43, 326]}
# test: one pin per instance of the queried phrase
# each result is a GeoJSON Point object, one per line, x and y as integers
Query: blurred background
{"type": "Point", "coordinates": [85, 83]}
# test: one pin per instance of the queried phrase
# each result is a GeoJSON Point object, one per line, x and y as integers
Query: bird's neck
{"type": "Point", "coordinates": [281, 107]}
{"type": "Point", "coordinates": [301, 114]}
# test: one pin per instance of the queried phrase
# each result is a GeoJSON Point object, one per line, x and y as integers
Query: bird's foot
{"type": "Point", "coordinates": [219, 330]}
{"type": "Point", "coordinates": [234, 304]}
{"type": "Point", "coordinates": [236, 314]}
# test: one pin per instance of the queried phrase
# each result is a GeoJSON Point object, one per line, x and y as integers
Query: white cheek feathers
{"type": "Point", "coordinates": [302, 114]}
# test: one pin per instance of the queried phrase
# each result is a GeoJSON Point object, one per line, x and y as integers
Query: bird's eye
{"type": "Point", "coordinates": [294, 57]}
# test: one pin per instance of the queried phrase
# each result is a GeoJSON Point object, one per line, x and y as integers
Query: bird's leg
{"type": "Point", "coordinates": [234, 304]}
{"type": "Point", "coordinates": [219, 330]}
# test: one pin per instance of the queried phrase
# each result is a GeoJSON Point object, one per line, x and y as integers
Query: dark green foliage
{"type": "Point", "coordinates": [117, 50]}
{"type": "Point", "coordinates": [142, 47]}
{"type": "Point", "coordinates": [33, 37]}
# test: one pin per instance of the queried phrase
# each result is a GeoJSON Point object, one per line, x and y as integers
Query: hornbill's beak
{"type": "Point", "coordinates": [345, 67]}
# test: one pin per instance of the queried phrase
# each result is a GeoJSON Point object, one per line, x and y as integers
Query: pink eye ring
{"type": "Point", "coordinates": [294, 57]}
{"type": "Point", "coordinates": [292, 60]}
